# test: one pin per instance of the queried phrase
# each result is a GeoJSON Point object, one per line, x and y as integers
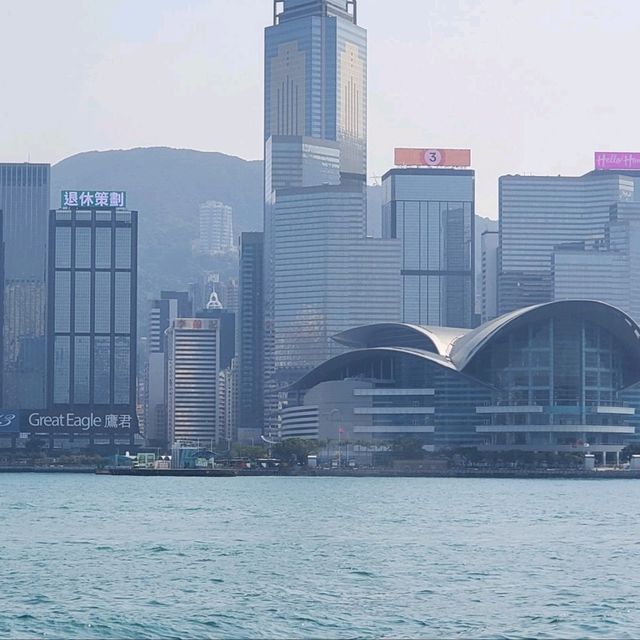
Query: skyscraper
{"type": "Point", "coordinates": [171, 305]}
{"type": "Point", "coordinates": [92, 316]}
{"type": "Point", "coordinates": [432, 212]}
{"type": "Point", "coordinates": [24, 201]}
{"type": "Point", "coordinates": [539, 213]}
{"type": "Point", "coordinates": [328, 276]}
{"type": "Point", "coordinates": [194, 368]}
{"type": "Point", "coordinates": [322, 274]}
{"type": "Point", "coordinates": [250, 332]}
{"type": "Point", "coordinates": [316, 76]}
{"type": "Point", "coordinates": [604, 269]}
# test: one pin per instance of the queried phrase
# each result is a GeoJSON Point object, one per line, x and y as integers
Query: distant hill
{"type": "Point", "coordinates": [166, 186]}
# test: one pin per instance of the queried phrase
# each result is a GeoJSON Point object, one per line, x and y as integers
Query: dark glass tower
{"type": "Point", "coordinates": [24, 200]}
{"type": "Point", "coordinates": [91, 355]}
{"type": "Point", "coordinates": [251, 330]}
{"type": "Point", "coordinates": [432, 212]}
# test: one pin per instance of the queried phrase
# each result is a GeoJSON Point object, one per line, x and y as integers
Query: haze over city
{"type": "Point", "coordinates": [319, 319]}
{"type": "Point", "coordinates": [529, 86]}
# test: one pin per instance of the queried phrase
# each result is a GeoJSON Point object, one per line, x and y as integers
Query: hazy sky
{"type": "Point", "coordinates": [531, 86]}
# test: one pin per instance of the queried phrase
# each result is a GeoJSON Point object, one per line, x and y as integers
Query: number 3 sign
{"type": "Point", "coordinates": [433, 157]}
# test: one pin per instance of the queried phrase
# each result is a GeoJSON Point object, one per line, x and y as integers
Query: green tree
{"type": "Point", "coordinates": [628, 451]}
{"type": "Point", "coordinates": [295, 450]}
{"type": "Point", "coordinates": [249, 451]}
{"type": "Point", "coordinates": [407, 448]}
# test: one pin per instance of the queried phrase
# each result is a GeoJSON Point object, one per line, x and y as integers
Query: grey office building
{"type": "Point", "coordinates": [170, 305]}
{"type": "Point", "coordinates": [250, 331]}
{"type": "Point", "coordinates": [24, 201]}
{"type": "Point", "coordinates": [539, 213]}
{"type": "Point", "coordinates": [432, 212]}
{"type": "Point", "coordinates": [322, 274]}
{"type": "Point", "coordinates": [91, 354]}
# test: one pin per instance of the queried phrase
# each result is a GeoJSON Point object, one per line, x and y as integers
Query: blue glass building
{"type": "Point", "coordinates": [91, 353]}
{"type": "Point", "coordinates": [432, 212]}
{"type": "Point", "coordinates": [316, 75]}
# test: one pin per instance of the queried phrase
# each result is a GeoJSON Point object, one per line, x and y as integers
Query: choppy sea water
{"type": "Point", "coordinates": [106, 557]}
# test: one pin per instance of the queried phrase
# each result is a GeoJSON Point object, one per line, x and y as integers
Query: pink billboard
{"type": "Point", "coordinates": [617, 161]}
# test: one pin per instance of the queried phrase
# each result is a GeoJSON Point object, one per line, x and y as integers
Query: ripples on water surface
{"type": "Point", "coordinates": [103, 557]}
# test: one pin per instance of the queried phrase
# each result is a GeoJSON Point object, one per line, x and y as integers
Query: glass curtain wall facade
{"type": "Point", "coordinates": [251, 331]}
{"type": "Point", "coordinates": [560, 381]}
{"type": "Point", "coordinates": [432, 213]}
{"type": "Point", "coordinates": [327, 276]}
{"type": "Point", "coordinates": [538, 213]}
{"type": "Point", "coordinates": [92, 310]}
{"type": "Point", "coordinates": [316, 77]}
{"type": "Point", "coordinates": [557, 377]}
{"type": "Point", "coordinates": [24, 201]}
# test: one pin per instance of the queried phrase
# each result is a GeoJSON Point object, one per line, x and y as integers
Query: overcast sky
{"type": "Point", "coordinates": [531, 86]}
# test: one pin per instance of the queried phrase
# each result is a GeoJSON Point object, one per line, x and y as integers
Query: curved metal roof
{"type": "Point", "coordinates": [457, 348]}
{"type": "Point", "coordinates": [436, 339]}
{"type": "Point", "coordinates": [316, 376]}
{"type": "Point", "coordinates": [619, 323]}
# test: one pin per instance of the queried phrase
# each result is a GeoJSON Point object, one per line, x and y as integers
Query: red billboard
{"type": "Point", "coordinates": [433, 157]}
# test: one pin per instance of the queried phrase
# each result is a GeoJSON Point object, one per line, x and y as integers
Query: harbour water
{"type": "Point", "coordinates": [107, 557]}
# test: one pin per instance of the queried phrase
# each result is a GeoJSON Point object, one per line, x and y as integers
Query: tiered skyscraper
{"type": "Point", "coordinates": [322, 274]}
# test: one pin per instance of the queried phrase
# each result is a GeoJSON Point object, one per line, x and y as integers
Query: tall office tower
{"type": "Point", "coordinates": [194, 367]}
{"type": "Point", "coordinates": [328, 276]}
{"type": "Point", "coordinates": [321, 272]}
{"type": "Point", "coordinates": [24, 200]}
{"type": "Point", "coordinates": [316, 76]}
{"type": "Point", "coordinates": [250, 332]}
{"type": "Point", "coordinates": [92, 315]}
{"type": "Point", "coordinates": [606, 269]}
{"type": "Point", "coordinates": [199, 350]}
{"type": "Point", "coordinates": [170, 305]}
{"type": "Point", "coordinates": [489, 243]}
{"type": "Point", "coordinates": [537, 214]}
{"type": "Point", "coordinates": [216, 228]}
{"type": "Point", "coordinates": [432, 212]}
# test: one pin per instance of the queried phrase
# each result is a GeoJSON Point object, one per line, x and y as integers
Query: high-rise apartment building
{"type": "Point", "coordinates": [92, 315]}
{"type": "Point", "coordinates": [432, 212]}
{"type": "Point", "coordinates": [250, 332]}
{"type": "Point", "coordinates": [489, 243]}
{"type": "Point", "coordinates": [216, 228]}
{"type": "Point", "coordinates": [170, 305]}
{"type": "Point", "coordinates": [539, 213]}
{"type": "Point", "coordinates": [24, 201]}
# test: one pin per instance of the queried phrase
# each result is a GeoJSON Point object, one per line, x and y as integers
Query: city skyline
{"type": "Point", "coordinates": [534, 110]}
